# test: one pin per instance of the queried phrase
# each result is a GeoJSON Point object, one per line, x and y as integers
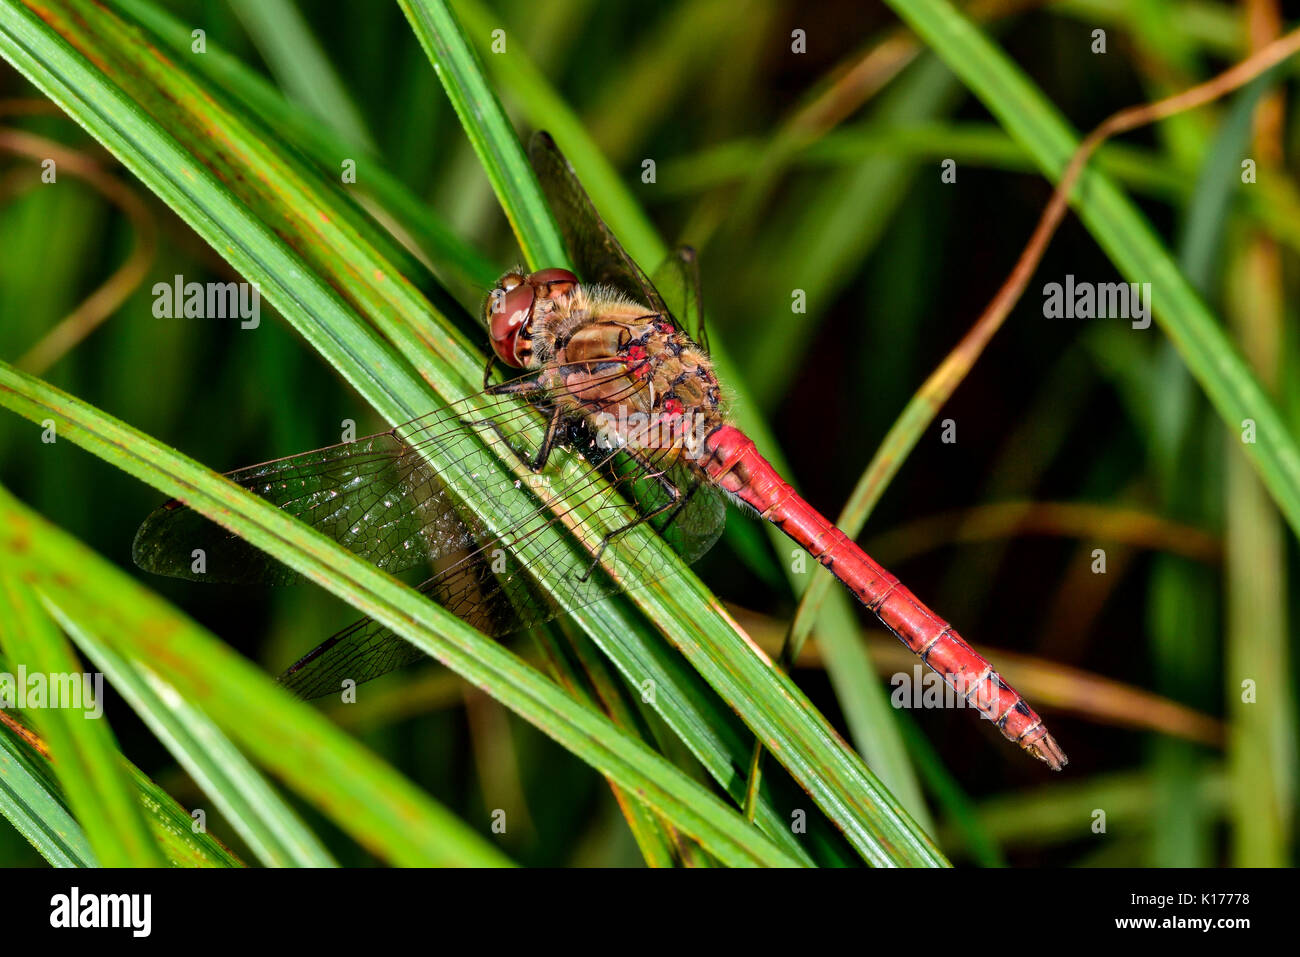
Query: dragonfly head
{"type": "Point", "coordinates": [512, 306]}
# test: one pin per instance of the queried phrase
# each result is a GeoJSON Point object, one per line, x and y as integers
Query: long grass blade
{"type": "Point", "coordinates": [367, 798]}
{"type": "Point", "coordinates": [31, 802]}
{"type": "Point", "coordinates": [267, 825]}
{"type": "Point", "coordinates": [87, 761]}
{"type": "Point", "coordinates": [489, 130]}
{"type": "Point", "coordinates": [202, 668]}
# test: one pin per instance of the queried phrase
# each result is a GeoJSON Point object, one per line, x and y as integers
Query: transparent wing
{"type": "Point", "coordinates": [598, 255]}
{"type": "Point", "coordinates": [380, 498]}
{"type": "Point", "coordinates": [696, 527]}
{"type": "Point", "coordinates": [376, 496]}
{"type": "Point", "coordinates": [678, 281]}
{"type": "Point", "coordinates": [501, 589]}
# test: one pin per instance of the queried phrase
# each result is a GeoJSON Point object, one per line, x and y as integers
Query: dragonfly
{"type": "Point", "coordinates": [605, 371]}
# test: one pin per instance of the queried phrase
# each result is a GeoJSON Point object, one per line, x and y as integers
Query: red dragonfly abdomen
{"type": "Point", "coordinates": [734, 464]}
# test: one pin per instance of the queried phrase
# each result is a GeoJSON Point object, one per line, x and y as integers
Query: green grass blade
{"type": "Point", "coordinates": [43, 54]}
{"type": "Point", "coordinates": [87, 761]}
{"type": "Point", "coordinates": [38, 803]}
{"type": "Point", "coordinates": [1127, 239]}
{"type": "Point", "coordinates": [1206, 216]}
{"type": "Point", "coordinates": [173, 828]}
{"type": "Point", "coordinates": [832, 228]}
{"type": "Point", "coordinates": [1053, 813]}
{"type": "Point", "coordinates": [300, 66]}
{"type": "Point", "coordinates": [274, 832]}
{"type": "Point", "coordinates": [588, 678]}
{"type": "Point", "coordinates": [364, 796]}
{"type": "Point", "coordinates": [970, 144]}
{"type": "Point", "coordinates": [457, 263]}
{"type": "Point", "coordinates": [1262, 742]}
{"type": "Point", "coordinates": [641, 93]}
{"type": "Point", "coordinates": [550, 112]}
{"type": "Point", "coordinates": [1273, 203]}
{"type": "Point", "coordinates": [1262, 746]}
{"type": "Point", "coordinates": [489, 130]}
{"type": "Point", "coordinates": [30, 801]}
{"type": "Point", "coordinates": [342, 336]}
{"type": "Point", "coordinates": [951, 801]}
{"type": "Point", "coordinates": [253, 710]}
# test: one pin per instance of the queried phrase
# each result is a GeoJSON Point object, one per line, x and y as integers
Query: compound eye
{"type": "Point", "coordinates": [509, 311]}
{"type": "Point", "coordinates": [553, 283]}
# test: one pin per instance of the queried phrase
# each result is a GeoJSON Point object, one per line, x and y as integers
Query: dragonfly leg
{"type": "Point", "coordinates": [524, 388]}
{"type": "Point", "coordinates": [537, 461]}
{"type": "Point", "coordinates": [487, 370]}
{"type": "Point", "coordinates": [675, 501]}
{"type": "Point", "coordinates": [521, 387]}
{"type": "Point", "coordinates": [548, 442]}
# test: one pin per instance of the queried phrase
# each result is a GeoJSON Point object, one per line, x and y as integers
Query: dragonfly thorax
{"type": "Point", "coordinates": [637, 380]}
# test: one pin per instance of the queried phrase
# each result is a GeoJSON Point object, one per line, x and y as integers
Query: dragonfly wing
{"type": "Point", "coordinates": [363, 651]}
{"type": "Point", "coordinates": [523, 582]}
{"type": "Point", "coordinates": [692, 522]}
{"type": "Point", "coordinates": [678, 282]}
{"type": "Point", "coordinates": [380, 497]}
{"type": "Point", "coordinates": [597, 253]}
{"type": "Point", "coordinates": [466, 585]}
{"type": "Point", "coordinates": [377, 496]}
{"type": "Point", "coordinates": [364, 494]}
{"type": "Point", "coordinates": [698, 524]}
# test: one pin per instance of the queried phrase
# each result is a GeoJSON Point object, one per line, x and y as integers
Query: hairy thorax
{"type": "Point", "coordinates": [635, 377]}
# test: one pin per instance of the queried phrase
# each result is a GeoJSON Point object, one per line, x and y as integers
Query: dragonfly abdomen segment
{"type": "Point", "coordinates": [735, 465]}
